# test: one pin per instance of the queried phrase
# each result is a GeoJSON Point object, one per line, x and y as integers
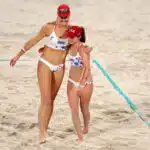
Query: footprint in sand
{"type": "Point", "coordinates": [6, 121]}
{"type": "Point", "coordinates": [12, 133]}
{"type": "Point", "coordinates": [26, 126]}
{"type": "Point", "coordinates": [21, 126]}
{"type": "Point", "coordinates": [33, 125]}
{"type": "Point", "coordinates": [51, 133]}
{"type": "Point", "coordinates": [62, 136]}
{"type": "Point", "coordinates": [116, 114]}
{"type": "Point", "coordinates": [69, 130]}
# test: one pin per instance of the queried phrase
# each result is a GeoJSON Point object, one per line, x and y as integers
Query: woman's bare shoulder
{"type": "Point", "coordinates": [86, 48]}
{"type": "Point", "coordinates": [50, 24]}
{"type": "Point", "coordinates": [48, 27]}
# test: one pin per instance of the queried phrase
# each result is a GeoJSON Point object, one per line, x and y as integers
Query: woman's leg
{"type": "Point", "coordinates": [85, 97]}
{"type": "Point", "coordinates": [45, 110]}
{"type": "Point", "coordinates": [73, 102]}
{"type": "Point", "coordinates": [57, 78]}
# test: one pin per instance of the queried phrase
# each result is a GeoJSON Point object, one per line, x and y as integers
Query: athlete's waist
{"type": "Point", "coordinates": [54, 59]}
{"type": "Point", "coordinates": [75, 71]}
{"type": "Point", "coordinates": [53, 52]}
{"type": "Point", "coordinates": [54, 49]}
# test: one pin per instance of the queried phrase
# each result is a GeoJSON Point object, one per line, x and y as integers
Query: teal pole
{"type": "Point", "coordinates": [116, 87]}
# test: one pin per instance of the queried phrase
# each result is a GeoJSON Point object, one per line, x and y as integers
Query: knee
{"type": "Point", "coordinates": [47, 100]}
{"type": "Point", "coordinates": [74, 110]}
{"type": "Point", "coordinates": [85, 112]}
{"type": "Point", "coordinates": [84, 108]}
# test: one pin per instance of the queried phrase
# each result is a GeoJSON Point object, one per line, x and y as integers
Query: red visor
{"type": "Point", "coordinates": [74, 31]}
{"type": "Point", "coordinates": [63, 10]}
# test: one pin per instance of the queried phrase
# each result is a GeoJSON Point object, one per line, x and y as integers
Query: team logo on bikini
{"type": "Point", "coordinates": [60, 42]}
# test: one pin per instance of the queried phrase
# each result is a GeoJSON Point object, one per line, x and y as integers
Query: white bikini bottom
{"type": "Point", "coordinates": [52, 67]}
{"type": "Point", "coordinates": [76, 84]}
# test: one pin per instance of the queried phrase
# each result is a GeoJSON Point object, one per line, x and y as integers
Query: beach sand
{"type": "Point", "coordinates": [119, 31]}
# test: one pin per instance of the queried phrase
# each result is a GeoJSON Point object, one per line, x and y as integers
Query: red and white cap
{"type": "Point", "coordinates": [63, 10]}
{"type": "Point", "coordinates": [74, 31]}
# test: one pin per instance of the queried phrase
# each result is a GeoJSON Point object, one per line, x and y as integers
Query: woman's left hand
{"type": "Point", "coordinates": [82, 85]}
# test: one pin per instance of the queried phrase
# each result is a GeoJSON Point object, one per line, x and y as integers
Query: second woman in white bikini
{"type": "Point", "coordinates": [80, 83]}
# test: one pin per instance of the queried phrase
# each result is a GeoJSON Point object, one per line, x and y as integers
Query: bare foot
{"type": "Point", "coordinates": [79, 139]}
{"type": "Point", "coordinates": [43, 138]}
{"type": "Point", "coordinates": [85, 130]}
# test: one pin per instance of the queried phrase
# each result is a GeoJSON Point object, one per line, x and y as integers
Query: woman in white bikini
{"type": "Point", "coordinates": [80, 83]}
{"type": "Point", "coordinates": [50, 69]}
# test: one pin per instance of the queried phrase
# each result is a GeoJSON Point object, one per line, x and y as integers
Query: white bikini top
{"type": "Point", "coordinates": [55, 42]}
{"type": "Point", "coordinates": [76, 61]}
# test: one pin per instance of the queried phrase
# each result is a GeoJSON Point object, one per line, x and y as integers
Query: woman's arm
{"type": "Point", "coordinates": [40, 35]}
{"type": "Point", "coordinates": [86, 65]}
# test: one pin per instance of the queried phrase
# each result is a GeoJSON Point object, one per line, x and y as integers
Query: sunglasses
{"type": "Point", "coordinates": [63, 17]}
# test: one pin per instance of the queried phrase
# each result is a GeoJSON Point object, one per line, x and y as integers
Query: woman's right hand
{"type": "Point", "coordinates": [13, 61]}
{"type": "Point", "coordinates": [41, 50]}
{"type": "Point", "coordinates": [88, 49]}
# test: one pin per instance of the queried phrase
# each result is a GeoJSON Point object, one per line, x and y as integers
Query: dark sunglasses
{"type": "Point", "coordinates": [64, 10]}
{"type": "Point", "coordinates": [64, 17]}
